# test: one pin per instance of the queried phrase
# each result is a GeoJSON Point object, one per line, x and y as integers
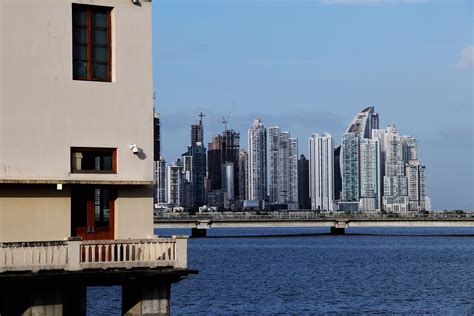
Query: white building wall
{"type": "Point", "coordinates": [321, 172]}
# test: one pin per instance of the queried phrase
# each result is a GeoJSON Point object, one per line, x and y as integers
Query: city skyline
{"type": "Point", "coordinates": [307, 76]}
{"type": "Point", "coordinates": [374, 169]}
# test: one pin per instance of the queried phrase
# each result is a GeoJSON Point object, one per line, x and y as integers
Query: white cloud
{"type": "Point", "coordinates": [370, 1]}
{"type": "Point", "coordinates": [466, 60]}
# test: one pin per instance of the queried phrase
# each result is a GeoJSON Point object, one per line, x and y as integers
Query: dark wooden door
{"type": "Point", "coordinates": [93, 212]}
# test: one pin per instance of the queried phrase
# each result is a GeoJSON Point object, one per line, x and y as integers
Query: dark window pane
{"type": "Point", "coordinates": [100, 54]}
{"type": "Point", "coordinates": [100, 37]}
{"type": "Point", "coordinates": [100, 71]}
{"type": "Point", "coordinates": [107, 163]}
{"type": "Point", "coordinates": [80, 52]}
{"type": "Point", "coordinates": [79, 16]}
{"type": "Point", "coordinates": [100, 19]}
{"type": "Point", "coordinates": [80, 69]}
{"type": "Point", "coordinates": [80, 35]}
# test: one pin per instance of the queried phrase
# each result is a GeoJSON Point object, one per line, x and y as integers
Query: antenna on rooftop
{"type": "Point", "coordinates": [225, 120]}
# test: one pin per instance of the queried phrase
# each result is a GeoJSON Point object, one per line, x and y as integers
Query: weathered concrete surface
{"type": "Point", "coordinates": [140, 300]}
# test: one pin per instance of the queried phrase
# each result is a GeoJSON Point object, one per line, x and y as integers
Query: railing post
{"type": "Point", "coordinates": [73, 254]}
{"type": "Point", "coordinates": [181, 252]}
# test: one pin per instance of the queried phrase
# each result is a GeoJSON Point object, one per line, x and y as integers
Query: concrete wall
{"type": "Point", "coordinates": [40, 212]}
{"type": "Point", "coordinates": [43, 111]}
{"type": "Point", "coordinates": [134, 212]}
{"type": "Point", "coordinates": [34, 212]}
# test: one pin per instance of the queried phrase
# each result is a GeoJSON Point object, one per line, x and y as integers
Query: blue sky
{"type": "Point", "coordinates": [310, 66]}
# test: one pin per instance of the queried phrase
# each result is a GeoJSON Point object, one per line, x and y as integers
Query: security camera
{"type": "Point", "coordinates": [134, 148]}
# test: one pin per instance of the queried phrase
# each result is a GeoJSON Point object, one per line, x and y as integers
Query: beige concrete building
{"type": "Point", "coordinates": [76, 119]}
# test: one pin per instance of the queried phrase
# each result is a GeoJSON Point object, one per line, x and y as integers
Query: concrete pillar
{"type": "Point", "coordinates": [31, 300]}
{"type": "Point", "coordinates": [146, 300]}
{"type": "Point", "coordinates": [338, 230]}
{"type": "Point", "coordinates": [198, 232]}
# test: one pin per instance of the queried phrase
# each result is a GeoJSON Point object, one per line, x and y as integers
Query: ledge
{"type": "Point", "coordinates": [76, 181]}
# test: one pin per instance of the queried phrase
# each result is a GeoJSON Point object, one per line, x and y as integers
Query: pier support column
{"type": "Point", "coordinates": [146, 300]}
{"type": "Point", "coordinates": [28, 299]}
{"type": "Point", "coordinates": [338, 230]}
{"type": "Point", "coordinates": [198, 232]}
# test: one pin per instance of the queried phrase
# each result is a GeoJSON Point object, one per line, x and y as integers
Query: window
{"type": "Point", "coordinates": [93, 160]}
{"type": "Point", "coordinates": [91, 43]}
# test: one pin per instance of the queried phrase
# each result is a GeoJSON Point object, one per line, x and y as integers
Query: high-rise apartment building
{"type": "Point", "coordinates": [415, 172]}
{"type": "Point", "coordinates": [156, 154]}
{"type": "Point", "coordinates": [410, 148]}
{"type": "Point", "coordinates": [175, 184]}
{"type": "Point", "coordinates": [214, 164]}
{"type": "Point", "coordinates": [282, 167]}
{"type": "Point", "coordinates": [243, 174]}
{"type": "Point", "coordinates": [395, 182]}
{"type": "Point", "coordinates": [156, 137]}
{"type": "Point", "coordinates": [321, 172]}
{"type": "Point", "coordinates": [350, 167]}
{"type": "Point", "coordinates": [161, 182]}
{"type": "Point", "coordinates": [370, 178]}
{"type": "Point", "coordinates": [303, 183]}
{"type": "Point", "coordinates": [337, 173]}
{"type": "Point", "coordinates": [293, 173]}
{"type": "Point", "coordinates": [257, 144]}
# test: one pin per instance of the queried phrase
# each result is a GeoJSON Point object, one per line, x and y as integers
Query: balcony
{"type": "Point", "coordinates": [76, 255]}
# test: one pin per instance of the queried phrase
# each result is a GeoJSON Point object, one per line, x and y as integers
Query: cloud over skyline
{"type": "Point", "coordinates": [466, 58]}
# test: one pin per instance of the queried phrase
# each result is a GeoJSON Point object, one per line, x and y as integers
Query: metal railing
{"type": "Point", "coordinates": [74, 255]}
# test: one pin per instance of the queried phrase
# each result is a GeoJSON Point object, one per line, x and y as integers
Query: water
{"type": "Point", "coordinates": [309, 274]}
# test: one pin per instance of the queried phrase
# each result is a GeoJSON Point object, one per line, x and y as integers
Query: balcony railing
{"type": "Point", "coordinates": [74, 255]}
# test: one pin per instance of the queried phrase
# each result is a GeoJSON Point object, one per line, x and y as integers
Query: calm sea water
{"type": "Point", "coordinates": [311, 274]}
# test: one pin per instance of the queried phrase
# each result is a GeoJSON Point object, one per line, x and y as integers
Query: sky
{"type": "Point", "coordinates": [309, 66]}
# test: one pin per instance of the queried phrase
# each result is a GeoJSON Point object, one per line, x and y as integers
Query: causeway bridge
{"type": "Point", "coordinates": [336, 222]}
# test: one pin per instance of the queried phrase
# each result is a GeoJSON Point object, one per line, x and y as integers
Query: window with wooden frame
{"type": "Point", "coordinates": [91, 43]}
{"type": "Point", "coordinates": [93, 160]}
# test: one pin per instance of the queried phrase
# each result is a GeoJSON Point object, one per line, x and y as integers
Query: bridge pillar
{"type": "Point", "coordinates": [338, 231]}
{"type": "Point", "coordinates": [198, 232]}
{"type": "Point", "coordinates": [339, 228]}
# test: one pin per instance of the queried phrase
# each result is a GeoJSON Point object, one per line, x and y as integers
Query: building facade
{"type": "Point", "coordinates": [303, 183]}
{"type": "Point", "coordinates": [257, 146]}
{"type": "Point", "coordinates": [321, 172]}
{"type": "Point", "coordinates": [80, 147]}
{"type": "Point", "coordinates": [370, 178]}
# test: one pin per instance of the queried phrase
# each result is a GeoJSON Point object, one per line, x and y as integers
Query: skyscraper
{"type": "Point", "coordinates": [198, 173]}
{"type": "Point", "coordinates": [156, 155]}
{"type": "Point", "coordinates": [243, 174]}
{"type": "Point", "coordinates": [337, 173]}
{"type": "Point", "coordinates": [350, 167]}
{"type": "Point", "coordinates": [409, 148]}
{"type": "Point", "coordinates": [293, 173]}
{"type": "Point", "coordinates": [364, 122]}
{"type": "Point", "coordinates": [175, 178]}
{"type": "Point", "coordinates": [195, 165]}
{"type": "Point", "coordinates": [282, 167]}
{"type": "Point", "coordinates": [214, 163]}
{"type": "Point", "coordinates": [321, 172]}
{"type": "Point", "coordinates": [395, 182]}
{"type": "Point", "coordinates": [230, 154]}
{"type": "Point", "coordinates": [303, 183]}
{"type": "Point", "coordinates": [257, 142]}
{"type": "Point", "coordinates": [360, 127]}
{"type": "Point", "coordinates": [160, 176]}
{"type": "Point", "coordinates": [370, 178]}
{"type": "Point", "coordinates": [156, 137]}
{"type": "Point", "coordinates": [197, 132]}
{"type": "Point", "coordinates": [415, 172]}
